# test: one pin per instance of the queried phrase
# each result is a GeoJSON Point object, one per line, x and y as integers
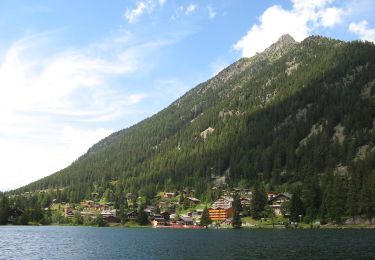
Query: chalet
{"type": "Point", "coordinates": [271, 194]}
{"type": "Point", "coordinates": [168, 195]}
{"type": "Point", "coordinates": [108, 213]}
{"type": "Point", "coordinates": [68, 212]}
{"type": "Point", "coordinates": [227, 222]}
{"type": "Point", "coordinates": [88, 203]}
{"type": "Point", "coordinates": [15, 213]}
{"type": "Point", "coordinates": [132, 215]}
{"type": "Point", "coordinates": [111, 219]}
{"type": "Point", "coordinates": [277, 201]}
{"type": "Point", "coordinates": [165, 215]}
{"type": "Point", "coordinates": [163, 204]}
{"type": "Point", "coordinates": [159, 221]}
{"type": "Point", "coordinates": [197, 213]}
{"type": "Point", "coordinates": [220, 213]}
{"type": "Point", "coordinates": [131, 196]}
{"type": "Point", "coordinates": [150, 210]}
{"type": "Point", "coordinates": [173, 217]}
{"type": "Point", "coordinates": [186, 221]}
{"type": "Point", "coordinates": [223, 202]}
{"type": "Point", "coordinates": [245, 201]}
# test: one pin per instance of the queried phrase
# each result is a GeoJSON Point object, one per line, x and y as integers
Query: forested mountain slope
{"type": "Point", "coordinates": [296, 115]}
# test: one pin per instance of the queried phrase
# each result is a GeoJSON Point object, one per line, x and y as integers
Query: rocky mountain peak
{"type": "Point", "coordinates": [283, 45]}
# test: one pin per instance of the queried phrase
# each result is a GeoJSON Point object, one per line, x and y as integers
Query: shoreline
{"type": "Point", "coordinates": [278, 227]}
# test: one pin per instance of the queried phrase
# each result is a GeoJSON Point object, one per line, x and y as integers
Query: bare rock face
{"type": "Point", "coordinates": [283, 45]}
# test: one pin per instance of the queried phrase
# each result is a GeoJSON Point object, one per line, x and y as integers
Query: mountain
{"type": "Point", "coordinates": [298, 115]}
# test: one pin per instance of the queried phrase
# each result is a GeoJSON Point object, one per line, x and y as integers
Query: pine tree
{"type": "Point", "coordinates": [237, 203]}
{"type": "Point", "coordinates": [368, 198]}
{"type": "Point", "coordinates": [236, 220]}
{"type": "Point", "coordinates": [352, 203]}
{"type": "Point", "coordinates": [258, 201]}
{"type": "Point", "coordinates": [4, 210]}
{"type": "Point", "coordinates": [205, 219]}
{"type": "Point", "coordinates": [142, 218]}
{"type": "Point", "coordinates": [296, 208]}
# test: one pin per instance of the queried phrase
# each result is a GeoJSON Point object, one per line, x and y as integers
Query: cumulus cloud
{"type": "Point", "coordinates": [332, 16]}
{"type": "Point", "coordinates": [304, 17]}
{"type": "Point", "coordinates": [362, 30]}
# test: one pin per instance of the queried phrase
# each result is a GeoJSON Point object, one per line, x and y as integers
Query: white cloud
{"type": "Point", "coordinates": [190, 9]}
{"type": "Point", "coordinates": [147, 6]}
{"type": "Point", "coordinates": [162, 2]}
{"type": "Point", "coordinates": [184, 10]}
{"type": "Point", "coordinates": [362, 30]}
{"type": "Point", "coordinates": [332, 16]}
{"type": "Point", "coordinates": [133, 15]}
{"type": "Point", "coordinates": [211, 12]}
{"type": "Point", "coordinates": [25, 160]}
{"type": "Point", "coordinates": [304, 17]}
{"type": "Point", "coordinates": [52, 108]}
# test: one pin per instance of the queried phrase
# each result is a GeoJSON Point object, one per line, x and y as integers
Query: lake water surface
{"type": "Point", "coordinates": [51, 242]}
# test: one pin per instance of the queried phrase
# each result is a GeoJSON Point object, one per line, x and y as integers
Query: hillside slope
{"type": "Point", "coordinates": [295, 114]}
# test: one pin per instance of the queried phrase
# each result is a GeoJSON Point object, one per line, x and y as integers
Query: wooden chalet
{"type": "Point", "coordinates": [193, 201]}
{"type": "Point", "coordinates": [168, 195]}
{"type": "Point", "coordinates": [223, 202]}
{"type": "Point", "coordinates": [277, 201]}
{"type": "Point", "coordinates": [111, 219]}
{"type": "Point", "coordinates": [245, 201]}
{"type": "Point", "coordinates": [132, 215]}
{"type": "Point", "coordinates": [220, 213]}
{"type": "Point", "coordinates": [186, 221]}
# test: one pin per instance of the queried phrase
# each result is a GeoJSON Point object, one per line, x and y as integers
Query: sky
{"type": "Point", "coordinates": [73, 72]}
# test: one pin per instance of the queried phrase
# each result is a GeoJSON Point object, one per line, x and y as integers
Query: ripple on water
{"type": "Point", "coordinates": [28, 242]}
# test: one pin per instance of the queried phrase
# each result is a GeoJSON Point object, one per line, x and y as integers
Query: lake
{"type": "Point", "coordinates": [55, 242]}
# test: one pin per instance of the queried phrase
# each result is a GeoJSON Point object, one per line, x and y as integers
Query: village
{"type": "Point", "coordinates": [180, 210]}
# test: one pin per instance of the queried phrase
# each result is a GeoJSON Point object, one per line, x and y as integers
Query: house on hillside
{"type": "Point", "coordinates": [132, 215]}
{"type": "Point", "coordinates": [184, 220]}
{"type": "Point", "coordinates": [223, 202]}
{"type": "Point", "coordinates": [276, 203]}
{"type": "Point", "coordinates": [193, 201]}
{"type": "Point", "coordinates": [221, 209]}
{"type": "Point", "coordinates": [111, 219]}
{"type": "Point", "coordinates": [220, 213]}
{"type": "Point", "coordinates": [68, 212]}
{"type": "Point", "coordinates": [245, 201]}
{"type": "Point", "coordinates": [168, 195]}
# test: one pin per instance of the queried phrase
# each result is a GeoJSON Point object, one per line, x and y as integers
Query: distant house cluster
{"type": "Point", "coordinates": [165, 214]}
{"type": "Point", "coordinates": [91, 210]}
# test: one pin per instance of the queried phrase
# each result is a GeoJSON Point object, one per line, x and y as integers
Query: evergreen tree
{"type": "Point", "coordinates": [4, 210]}
{"type": "Point", "coordinates": [296, 208]}
{"type": "Point", "coordinates": [205, 219]}
{"type": "Point", "coordinates": [99, 221]}
{"type": "Point", "coordinates": [368, 197]}
{"type": "Point", "coordinates": [353, 196]}
{"type": "Point", "coordinates": [142, 218]}
{"type": "Point", "coordinates": [236, 220]}
{"type": "Point", "coordinates": [311, 196]}
{"type": "Point", "coordinates": [259, 201]}
{"type": "Point", "coordinates": [237, 203]}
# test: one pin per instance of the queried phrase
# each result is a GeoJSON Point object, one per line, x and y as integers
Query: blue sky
{"type": "Point", "coordinates": [72, 72]}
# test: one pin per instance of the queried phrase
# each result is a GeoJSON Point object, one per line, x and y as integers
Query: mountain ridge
{"type": "Point", "coordinates": [256, 114]}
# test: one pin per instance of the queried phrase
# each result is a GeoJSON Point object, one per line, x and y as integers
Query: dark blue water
{"type": "Point", "coordinates": [17, 242]}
